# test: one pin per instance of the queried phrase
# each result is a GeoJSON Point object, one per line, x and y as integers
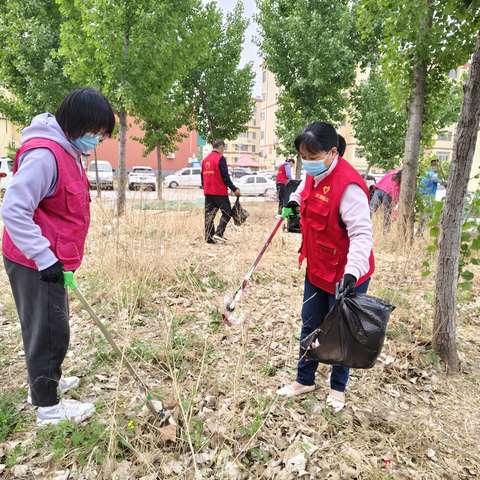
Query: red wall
{"type": "Point", "coordinates": [109, 148]}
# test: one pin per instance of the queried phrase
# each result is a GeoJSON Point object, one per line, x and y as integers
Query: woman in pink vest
{"type": "Point", "coordinates": [387, 193]}
{"type": "Point", "coordinates": [336, 243]}
{"type": "Point", "coordinates": [46, 214]}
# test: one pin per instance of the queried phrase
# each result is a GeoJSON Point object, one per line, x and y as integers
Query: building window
{"type": "Point", "coordinates": [262, 135]}
{"type": "Point", "coordinates": [253, 148]}
{"type": "Point", "coordinates": [264, 79]}
{"type": "Point", "coordinates": [254, 135]}
{"type": "Point", "coordinates": [254, 122]}
{"type": "Point", "coordinates": [445, 136]}
{"type": "Point", "coordinates": [443, 156]}
{"type": "Point", "coordinates": [262, 116]}
{"type": "Point", "coordinates": [244, 148]}
{"type": "Point", "coordinates": [235, 147]}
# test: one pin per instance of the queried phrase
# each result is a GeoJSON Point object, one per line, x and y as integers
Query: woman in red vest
{"type": "Point", "coordinates": [336, 242]}
{"type": "Point", "coordinates": [46, 213]}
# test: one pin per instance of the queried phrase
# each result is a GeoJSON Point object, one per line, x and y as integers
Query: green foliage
{"type": "Point", "coordinates": [378, 126]}
{"type": "Point", "coordinates": [439, 33]}
{"type": "Point", "coordinates": [310, 48]}
{"type": "Point", "coordinates": [32, 78]}
{"type": "Point", "coordinates": [219, 90]}
{"type": "Point", "coordinates": [10, 418]}
{"type": "Point", "coordinates": [79, 443]}
{"type": "Point", "coordinates": [470, 241]}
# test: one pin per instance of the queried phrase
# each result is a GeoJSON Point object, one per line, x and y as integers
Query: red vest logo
{"type": "Point", "coordinates": [326, 189]}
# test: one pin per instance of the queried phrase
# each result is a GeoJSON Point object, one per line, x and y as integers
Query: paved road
{"type": "Point", "coordinates": [190, 195]}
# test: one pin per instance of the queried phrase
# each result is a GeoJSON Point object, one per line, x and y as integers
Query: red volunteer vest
{"type": "Point", "coordinates": [212, 178]}
{"type": "Point", "coordinates": [282, 175]}
{"type": "Point", "coordinates": [64, 217]}
{"type": "Point", "coordinates": [325, 241]}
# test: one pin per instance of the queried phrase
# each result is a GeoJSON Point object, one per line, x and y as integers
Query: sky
{"type": "Point", "coordinates": [250, 50]}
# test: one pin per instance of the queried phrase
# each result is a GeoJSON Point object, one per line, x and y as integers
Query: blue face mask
{"type": "Point", "coordinates": [314, 167]}
{"type": "Point", "coordinates": [86, 143]}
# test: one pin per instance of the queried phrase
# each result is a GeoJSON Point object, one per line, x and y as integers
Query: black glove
{"type": "Point", "coordinates": [293, 205]}
{"type": "Point", "coordinates": [345, 286]}
{"type": "Point", "coordinates": [52, 274]}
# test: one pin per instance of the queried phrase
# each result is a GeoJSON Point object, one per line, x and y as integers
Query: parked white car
{"type": "Point", "coordinates": [6, 172]}
{"type": "Point", "coordinates": [256, 185]}
{"type": "Point", "coordinates": [186, 177]}
{"type": "Point", "coordinates": [142, 178]}
{"type": "Point", "coordinates": [105, 175]}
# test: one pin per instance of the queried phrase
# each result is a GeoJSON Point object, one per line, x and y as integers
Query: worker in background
{"type": "Point", "coordinates": [215, 183]}
{"type": "Point", "coordinates": [387, 193]}
{"type": "Point", "coordinates": [284, 175]}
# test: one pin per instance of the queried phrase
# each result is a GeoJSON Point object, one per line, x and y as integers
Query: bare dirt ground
{"type": "Point", "coordinates": [159, 288]}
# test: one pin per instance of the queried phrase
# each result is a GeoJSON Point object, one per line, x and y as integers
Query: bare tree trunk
{"type": "Point", "coordinates": [97, 176]}
{"type": "Point", "coordinates": [122, 177]}
{"type": "Point", "coordinates": [159, 173]}
{"type": "Point", "coordinates": [444, 325]}
{"type": "Point", "coordinates": [408, 186]}
{"type": "Point", "coordinates": [298, 167]}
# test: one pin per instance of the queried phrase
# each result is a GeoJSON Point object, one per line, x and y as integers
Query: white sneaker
{"type": "Point", "coordinates": [65, 410]}
{"type": "Point", "coordinates": [293, 390]}
{"type": "Point", "coordinates": [64, 385]}
{"type": "Point", "coordinates": [336, 401]}
{"type": "Point", "coordinates": [278, 216]}
{"type": "Point", "coordinates": [218, 238]}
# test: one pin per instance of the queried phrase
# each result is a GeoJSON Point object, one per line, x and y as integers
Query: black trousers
{"type": "Point", "coordinates": [44, 314]}
{"type": "Point", "coordinates": [214, 203]}
{"type": "Point", "coordinates": [282, 197]}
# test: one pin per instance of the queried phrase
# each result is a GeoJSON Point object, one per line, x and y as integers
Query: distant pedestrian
{"type": "Point", "coordinates": [284, 175]}
{"type": "Point", "coordinates": [387, 193]}
{"type": "Point", "coordinates": [428, 191]}
{"type": "Point", "coordinates": [46, 213]}
{"type": "Point", "coordinates": [215, 183]}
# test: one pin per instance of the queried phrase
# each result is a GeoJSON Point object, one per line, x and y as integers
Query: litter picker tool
{"type": "Point", "coordinates": [231, 302]}
{"type": "Point", "coordinates": [71, 283]}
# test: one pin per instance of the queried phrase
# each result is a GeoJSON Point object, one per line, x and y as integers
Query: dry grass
{"type": "Point", "coordinates": [159, 287]}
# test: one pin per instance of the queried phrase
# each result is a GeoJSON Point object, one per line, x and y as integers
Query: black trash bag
{"type": "Point", "coordinates": [352, 333]}
{"type": "Point", "coordinates": [239, 214]}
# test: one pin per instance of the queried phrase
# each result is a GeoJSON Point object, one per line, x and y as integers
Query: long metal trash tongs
{"type": "Point", "coordinates": [231, 302]}
{"type": "Point", "coordinates": [71, 283]}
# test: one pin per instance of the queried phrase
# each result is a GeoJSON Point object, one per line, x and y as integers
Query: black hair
{"type": "Point", "coordinates": [218, 143]}
{"type": "Point", "coordinates": [434, 161]}
{"type": "Point", "coordinates": [291, 160]}
{"type": "Point", "coordinates": [317, 137]}
{"type": "Point", "coordinates": [342, 145]}
{"type": "Point", "coordinates": [85, 110]}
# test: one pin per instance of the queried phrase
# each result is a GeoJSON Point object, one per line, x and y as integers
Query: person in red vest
{"type": "Point", "coordinates": [46, 214]}
{"type": "Point", "coordinates": [215, 183]}
{"type": "Point", "coordinates": [284, 175]}
{"type": "Point", "coordinates": [337, 244]}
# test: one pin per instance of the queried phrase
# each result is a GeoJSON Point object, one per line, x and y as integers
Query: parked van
{"type": "Point", "coordinates": [105, 175]}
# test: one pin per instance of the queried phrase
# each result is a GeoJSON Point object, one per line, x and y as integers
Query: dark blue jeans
{"type": "Point", "coordinates": [316, 304]}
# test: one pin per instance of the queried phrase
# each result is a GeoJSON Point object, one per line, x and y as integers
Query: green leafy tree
{"type": "Point", "coordinates": [131, 50]}
{"type": "Point", "coordinates": [419, 42]}
{"type": "Point", "coordinates": [32, 80]}
{"type": "Point", "coordinates": [377, 125]}
{"type": "Point", "coordinates": [310, 46]}
{"type": "Point", "coordinates": [219, 90]}
{"type": "Point", "coordinates": [162, 128]}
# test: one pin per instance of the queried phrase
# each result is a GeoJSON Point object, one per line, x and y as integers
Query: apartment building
{"type": "Point", "coordinates": [9, 135]}
{"type": "Point", "coordinates": [442, 148]}
{"type": "Point", "coordinates": [248, 142]}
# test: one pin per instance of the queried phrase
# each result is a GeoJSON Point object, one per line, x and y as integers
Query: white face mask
{"type": "Point", "coordinates": [316, 167]}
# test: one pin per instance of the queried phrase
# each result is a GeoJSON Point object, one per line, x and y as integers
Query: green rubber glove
{"type": "Point", "coordinates": [69, 280]}
{"type": "Point", "coordinates": [287, 213]}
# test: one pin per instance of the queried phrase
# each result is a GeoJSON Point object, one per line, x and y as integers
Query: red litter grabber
{"type": "Point", "coordinates": [230, 302]}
